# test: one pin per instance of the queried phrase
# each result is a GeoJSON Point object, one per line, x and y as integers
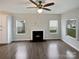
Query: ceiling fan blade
{"type": "Point", "coordinates": [49, 4]}
{"type": "Point", "coordinates": [33, 2]}
{"type": "Point", "coordinates": [31, 7]}
{"type": "Point", "coordinates": [46, 9]}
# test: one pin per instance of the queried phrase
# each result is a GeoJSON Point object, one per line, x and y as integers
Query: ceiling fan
{"type": "Point", "coordinates": [41, 6]}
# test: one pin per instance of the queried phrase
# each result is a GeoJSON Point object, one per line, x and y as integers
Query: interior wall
{"type": "Point", "coordinates": [6, 28]}
{"type": "Point", "coordinates": [37, 22]}
{"type": "Point", "coordinates": [72, 14]}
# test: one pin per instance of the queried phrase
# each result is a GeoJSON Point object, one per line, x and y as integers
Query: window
{"type": "Point", "coordinates": [53, 26]}
{"type": "Point", "coordinates": [20, 27]}
{"type": "Point", "coordinates": [71, 28]}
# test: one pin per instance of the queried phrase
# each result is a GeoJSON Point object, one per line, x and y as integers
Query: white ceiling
{"type": "Point", "coordinates": [19, 6]}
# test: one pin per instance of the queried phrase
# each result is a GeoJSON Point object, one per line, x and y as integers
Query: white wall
{"type": "Point", "coordinates": [72, 14]}
{"type": "Point", "coordinates": [6, 28]}
{"type": "Point", "coordinates": [9, 29]}
{"type": "Point", "coordinates": [37, 22]}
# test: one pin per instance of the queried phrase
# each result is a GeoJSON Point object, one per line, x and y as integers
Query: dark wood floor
{"type": "Point", "coordinates": [38, 50]}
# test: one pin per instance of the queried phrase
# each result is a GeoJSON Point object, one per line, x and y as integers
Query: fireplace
{"type": "Point", "coordinates": [37, 35]}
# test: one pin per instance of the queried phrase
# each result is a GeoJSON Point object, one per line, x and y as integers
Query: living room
{"type": "Point", "coordinates": [17, 24]}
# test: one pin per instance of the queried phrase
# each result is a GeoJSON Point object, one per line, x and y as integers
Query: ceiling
{"type": "Point", "coordinates": [19, 6]}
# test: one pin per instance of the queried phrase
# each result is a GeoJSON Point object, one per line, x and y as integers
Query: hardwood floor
{"type": "Point", "coordinates": [38, 50]}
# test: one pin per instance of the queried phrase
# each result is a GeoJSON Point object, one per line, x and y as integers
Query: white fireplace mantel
{"type": "Point", "coordinates": [38, 30]}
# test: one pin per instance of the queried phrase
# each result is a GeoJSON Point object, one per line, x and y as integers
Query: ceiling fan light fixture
{"type": "Point", "coordinates": [42, 6]}
{"type": "Point", "coordinates": [40, 11]}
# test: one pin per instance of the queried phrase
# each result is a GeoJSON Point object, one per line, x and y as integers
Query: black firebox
{"type": "Point", "coordinates": [37, 35]}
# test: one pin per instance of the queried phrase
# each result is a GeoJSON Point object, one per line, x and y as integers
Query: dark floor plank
{"type": "Point", "coordinates": [38, 50]}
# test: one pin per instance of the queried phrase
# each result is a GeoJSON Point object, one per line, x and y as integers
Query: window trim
{"type": "Point", "coordinates": [17, 30]}
{"type": "Point", "coordinates": [57, 27]}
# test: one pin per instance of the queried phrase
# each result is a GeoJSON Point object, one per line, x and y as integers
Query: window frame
{"type": "Point", "coordinates": [57, 27]}
{"type": "Point", "coordinates": [24, 29]}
